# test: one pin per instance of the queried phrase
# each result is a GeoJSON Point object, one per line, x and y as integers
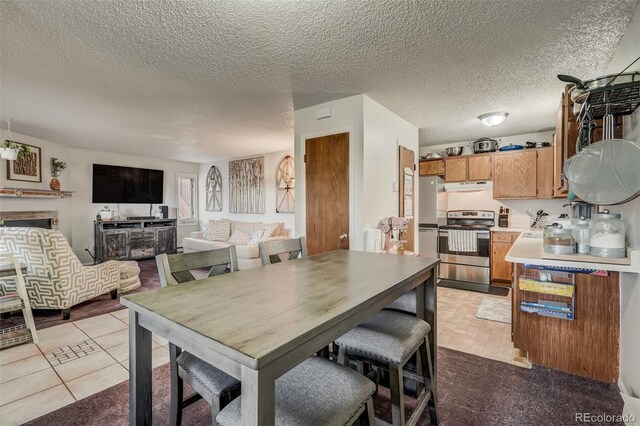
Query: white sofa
{"type": "Point", "coordinates": [248, 255]}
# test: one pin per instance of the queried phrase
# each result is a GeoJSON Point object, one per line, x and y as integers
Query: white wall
{"type": "Point", "coordinates": [271, 161]}
{"type": "Point", "coordinates": [626, 52]}
{"type": "Point", "coordinates": [347, 117]}
{"type": "Point", "coordinates": [384, 131]}
{"type": "Point", "coordinates": [77, 213]}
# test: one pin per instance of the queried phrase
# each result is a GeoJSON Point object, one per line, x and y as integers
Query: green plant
{"type": "Point", "coordinates": [57, 166]}
{"type": "Point", "coordinates": [1, 223]}
{"type": "Point", "coordinates": [16, 146]}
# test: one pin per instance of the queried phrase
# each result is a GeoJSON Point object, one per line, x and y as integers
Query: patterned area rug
{"type": "Point", "coordinates": [495, 309]}
{"type": "Point", "coordinates": [45, 318]}
{"type": "Point", "coordinates": [471, 391]}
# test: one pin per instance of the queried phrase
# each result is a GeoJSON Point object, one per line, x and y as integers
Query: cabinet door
{"type": "Point", "coordinates": [142, 244]}
{"type": "Point", "coordinates": [455, 169]}
{"type": "Point", "coordinates": [480, 167]}
{"type": "Point", "coordinates": [515, 175]}
{"type": "Point", "coordinates": [115, 244]}
{"type": "Point", "coordinates": [432, 168]}
{"type": "Point", "coordinates": [166, 240]}
{"type": "Point", "coordinates": [500, 268]}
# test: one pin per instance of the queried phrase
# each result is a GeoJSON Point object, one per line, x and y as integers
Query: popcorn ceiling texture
{"type": "Point", "coordinates": [204, 80]}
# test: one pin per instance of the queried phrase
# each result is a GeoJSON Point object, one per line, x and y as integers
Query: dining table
{"type": "Point", "coordinates": [257, 324]}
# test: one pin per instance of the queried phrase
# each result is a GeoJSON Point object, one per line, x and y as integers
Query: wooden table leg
{"type": "Point", "coordinates": [140, 389]}
{"type": "Point", "coordinates": [426, 305]}
{"type": "Point", "coordinates": [258, 397]}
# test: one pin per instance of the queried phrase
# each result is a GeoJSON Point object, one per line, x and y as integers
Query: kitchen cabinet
{"type": "Point", "coordinates": [501, 270]}
{"type": "Point", "coordinates": [523, 174]}
{"type": "Point", "coordinates": [432, 167]}
{"type": "Point", "coordinates": [455, 169]}
{"type": "Point", "coordinates": [479, 167]}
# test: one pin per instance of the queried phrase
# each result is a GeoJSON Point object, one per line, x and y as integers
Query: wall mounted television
{"type": "Point", "coordinates": [127, 185]}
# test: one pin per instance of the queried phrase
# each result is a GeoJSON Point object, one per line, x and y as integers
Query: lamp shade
{"type": "Point", "coordinates": [493, 118]}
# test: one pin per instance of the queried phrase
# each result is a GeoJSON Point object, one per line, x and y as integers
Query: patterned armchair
{"type": "Point", "coordinates": [55, 277]}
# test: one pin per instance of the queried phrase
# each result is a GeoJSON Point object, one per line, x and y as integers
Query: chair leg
{"type": "Point", "coordinates": [342, 356]}
{"type": "Point", "coordinates": [215, 409]}
{"type": "Point", "coordinates": [177, 388]}
{"type": "Point", "coordinates": [114, 294]}
{"type": "Point", "coordinates": [371, 415]}
{"type": "Point", "coordinates": [427, 368]}
{"type": "Point", "coordinates": [66, 314]}
{"type": "Point", "coordinates": [397, 395]}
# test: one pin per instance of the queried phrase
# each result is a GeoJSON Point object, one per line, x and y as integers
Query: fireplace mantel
{"type": "Point", "coordinates": [33, 193]}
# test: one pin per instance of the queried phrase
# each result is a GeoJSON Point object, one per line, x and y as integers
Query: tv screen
{"type": "Point", "coordinates": [127, 185]}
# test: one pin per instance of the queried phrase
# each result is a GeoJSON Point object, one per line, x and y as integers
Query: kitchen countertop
{"type": "Point", "coordinates": [527, 249]}
{"type": "Point", "coordinates": [514, 229]}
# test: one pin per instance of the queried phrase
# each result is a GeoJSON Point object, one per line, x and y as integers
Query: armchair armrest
{"type": "Point", "coordinates": [198, 235]}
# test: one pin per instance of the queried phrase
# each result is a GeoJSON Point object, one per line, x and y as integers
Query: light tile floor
{"type": "Point", "coordinates": [34, 381]}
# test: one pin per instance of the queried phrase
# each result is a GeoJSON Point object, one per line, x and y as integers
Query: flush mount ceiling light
{"type": "Point", "coordinates": [493, 118]}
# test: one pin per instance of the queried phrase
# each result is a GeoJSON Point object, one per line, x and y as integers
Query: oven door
{"type": "Point", "coordinates": [483, 247]}
{"type": "Point", "coordinates": [465, 266]}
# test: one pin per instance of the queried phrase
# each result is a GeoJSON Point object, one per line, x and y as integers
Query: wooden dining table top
{"type": "Point", "coordinates": [259, 314]}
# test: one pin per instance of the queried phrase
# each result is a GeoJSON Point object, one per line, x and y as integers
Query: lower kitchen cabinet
{"type": "Point", "coordinates": [501, 270]}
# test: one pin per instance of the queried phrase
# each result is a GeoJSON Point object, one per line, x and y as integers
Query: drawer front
{"type": "Point", "coordinates": [501, 237]}
{"type": "Point", "coordinates": [142, 243]}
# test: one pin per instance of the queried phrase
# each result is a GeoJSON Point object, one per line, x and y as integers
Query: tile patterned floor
{"type": "Point", "coordinates": [78, 359]}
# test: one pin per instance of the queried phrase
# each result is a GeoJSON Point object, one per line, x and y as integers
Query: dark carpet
{"type": "Point", "coordinates": [45, 318]}
{"type": "Point", "coordinates": [472, 391]}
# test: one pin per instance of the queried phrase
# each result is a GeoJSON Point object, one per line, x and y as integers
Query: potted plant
{"type": "Point", "coordinates": [57, 166]}
{"type": "Point", "coordinates": [11, 150]}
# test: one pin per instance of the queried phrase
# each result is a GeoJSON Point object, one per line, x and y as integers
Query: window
{"type": "Point", "coordinates": [187, 199]}
{"type": "Point", "coordinates": [285, 185]}
{"type": "Point", "coordinates": [214, 190]}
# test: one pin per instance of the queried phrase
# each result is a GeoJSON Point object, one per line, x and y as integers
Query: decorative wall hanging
{"type": "Point", "coordinates": [246, 186]}
{"type": "Point", "coordinates": [28, 166]}
{"type": "Point", "coordinates": [214, 190]}
{"type": "Point", "coordinates": [285, 185]}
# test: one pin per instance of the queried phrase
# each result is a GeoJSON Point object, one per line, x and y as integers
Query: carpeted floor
{"type": "Point", "coordinates": [472, 391]}
{"type": "Point", "coordinates": [45, 318]}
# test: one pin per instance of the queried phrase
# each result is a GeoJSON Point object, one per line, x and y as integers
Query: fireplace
{"type": "Point", "coordinates": [32, 219]}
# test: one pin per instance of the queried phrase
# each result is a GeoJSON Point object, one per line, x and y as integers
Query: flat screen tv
{"type": "Point", "coordinates": [127, 185]}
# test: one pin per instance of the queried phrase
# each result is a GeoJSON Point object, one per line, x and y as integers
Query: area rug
{"type": "Point", "coordinates": [45, 318]}
{"type": "Point", "coordinates": [471, 391]}
{"type": "Point", "coordinates": [495, 309]}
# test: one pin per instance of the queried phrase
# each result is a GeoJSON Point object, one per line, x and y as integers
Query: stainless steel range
{"type": "Point", "coordinates": [464, 248]}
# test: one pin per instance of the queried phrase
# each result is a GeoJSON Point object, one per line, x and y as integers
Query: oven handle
{"type": "Point", "coordinates": [482, 235]}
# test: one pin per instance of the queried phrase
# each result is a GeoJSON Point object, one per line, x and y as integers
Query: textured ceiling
{"type": "Point", "coordinates": [203, 80]}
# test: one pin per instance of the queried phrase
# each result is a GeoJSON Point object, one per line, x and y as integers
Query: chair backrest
{"type": "Point", "coordinates": [176, 268]}
{"type": "Point", "coordinates": [270, 251]}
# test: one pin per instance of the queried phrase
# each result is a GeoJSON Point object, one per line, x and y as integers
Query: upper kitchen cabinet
{"type": "Point", "coordinates": [523, 174]}
{"type": "Point", "coordinates": [455, 169]}
{"type": "Point", "coordinates": [480, 167]}
{"type": "Point", "coordinates": [432, 167]}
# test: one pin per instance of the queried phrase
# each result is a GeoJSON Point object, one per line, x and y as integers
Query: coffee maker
{"type": "Point", "coordinates": [580, 209]}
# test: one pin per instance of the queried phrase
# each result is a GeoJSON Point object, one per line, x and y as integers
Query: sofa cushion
{"type": "Point", "coordinates": [218, 230]}
{"type": "Point", "coordinates": [271, 230]}
{"type": "Point", "coordinates": [197, 244]}
{"type": "Point", "coordinates": [240, 237]}
{"type": "Point", "coordinates": [248, 227]}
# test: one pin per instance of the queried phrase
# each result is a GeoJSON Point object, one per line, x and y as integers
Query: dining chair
{"type": "Point", "coordinates": [211, 384]}
{"type": "Point", "coordinates": [315, 392]}
{"type": "Point", "coordinates": [270, 251]}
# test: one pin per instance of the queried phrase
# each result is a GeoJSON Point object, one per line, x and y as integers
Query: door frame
{"type": "Point", "coordinates": [303, 174]}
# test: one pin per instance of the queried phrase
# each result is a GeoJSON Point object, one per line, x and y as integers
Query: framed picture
{"type": "Point", "coordinates": [246, 186]}
{"type": "Point", "coordinates": [28, 168]}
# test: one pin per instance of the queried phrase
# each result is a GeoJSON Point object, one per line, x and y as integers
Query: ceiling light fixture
{"type": "Point", "coordinates": [493, 118]}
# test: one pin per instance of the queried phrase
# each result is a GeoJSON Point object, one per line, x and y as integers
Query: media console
{"type": "Point", "coordinates": [134, 239]}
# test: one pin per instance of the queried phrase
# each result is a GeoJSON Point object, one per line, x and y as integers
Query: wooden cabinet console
{"type": "Point", "coordinates": [134, 239]}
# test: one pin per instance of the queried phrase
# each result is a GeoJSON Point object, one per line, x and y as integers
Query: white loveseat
{"type": "Point", "coordinates": [248, 255]}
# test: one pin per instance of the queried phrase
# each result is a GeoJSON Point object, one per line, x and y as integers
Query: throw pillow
{"type": "Point", "coordinates": [256, 237]}
{"type": "Point", "coordinates": [270, 229]}
{"type": "Point", "coordinates": [218, 230]}
{"type": "Point", "coordinates": [240, 238]}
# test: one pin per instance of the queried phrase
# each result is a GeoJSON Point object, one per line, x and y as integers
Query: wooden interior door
{"type": "Point", "coordinates": [327, 193]}
{"type": "Point", "coordinates": [406, 158]}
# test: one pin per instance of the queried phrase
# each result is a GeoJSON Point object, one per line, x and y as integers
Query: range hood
{"type": "Point", "coordinates": [485, 185]}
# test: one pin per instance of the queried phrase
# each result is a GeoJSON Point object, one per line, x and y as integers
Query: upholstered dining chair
{"type": "Point", "coordinates": [215, 386]}
{"type": "Point", "coordinates": [271, 251]}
